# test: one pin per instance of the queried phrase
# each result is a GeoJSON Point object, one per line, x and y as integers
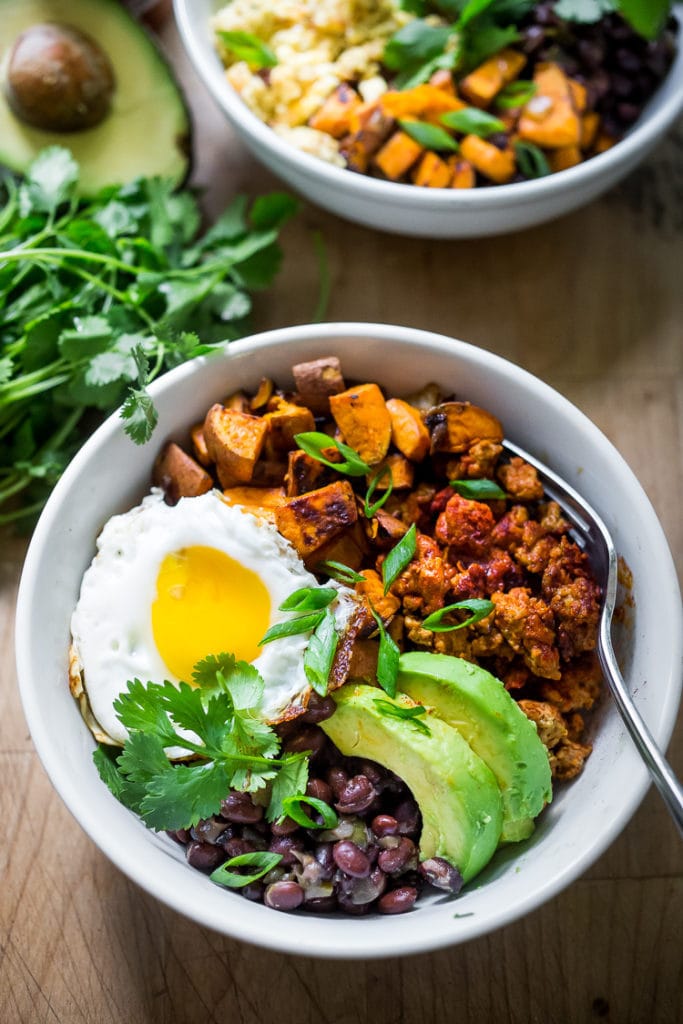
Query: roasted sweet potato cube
{"type": "Point", "coordinates": [369, 127]}
{"type": "Point", "coordinates": [335, 114]}
{"type": "Point", "coordinates": [179, 475]}
{"type": "Point", "coordinates": [285, 420]}
{"type": "Point", "coordinates": [263, 394]}
{"type": "Point", "coordinates": [395, 468]}
{"type": "Point", "coordinates": [261, 501]}
{"type": "Point", "coordinates": [316, 381]}
{"type": "Point", "coordinates": [311, 520]}
{"type": "Point", "coordinates": [455, 426]}
{"type": "Point", "coordinates": [485, 82]}
{"type": "Point", "coordinates": [432, 172]}
{"type": "Point", "coordinates": [269, 473]}
{"type": "Point", "coordinates": [305, 473]}
{"type": "Point", "coordinates": [462, 173]}
{"type": "Point", "coordinates": [362, 416]}
{"type": "Point", "coordinates": [563, 158]}
{"type": "Point", "coordinates": [604, 142]}
{"type": "Point", "coordinates": [199, 444]}
{"type": "Point", "coordinates": [363, 664]}
{"type": "Point", "coordinates": [349, 548]}
{"type": "Point", "coordinates": [424, 102]}
{"type": "Point", "coordinates": [397, 156]}
{"type": "Point", "coordinates": [496, 164]}
{"type": "Point", "coordinates": [590, 123]}
{"type": "Point", "coordinates": [579, 95]}
{"type": "Point", "coordinates": [408, 432]}
{"type": "Point", "coordinates": [550, 118]}
{"type": "Point", "coordinates": [234, 441]}
{"type": "Point", "coordinates": [372, 591]}
{"type": "Point", "coordinates": [237, 401]}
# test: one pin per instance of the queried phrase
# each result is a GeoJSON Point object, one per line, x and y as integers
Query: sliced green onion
{"type": "Point", "coordinates": [261, 859]}
{"type": "Point", "coordinates": [516, 94]}
{"type": "Point", "coordinates": [408, 714]}
{"type": "Point", "coordinates": [292, 627]}
{"type": "Point", "coordinates": [368, 508]}
{"type": "Point", "coordinates": [479, 607]}
{"type": "Point", "coordinates": [478, 489]}
{"type": "Point", "coordinates": [340, 572]}
{"type": "Point", "coordinates": [313, 442]}
{"type": "Point", "coordinates": [319, 655]}
{"type": "Point", "coordinates": [472, 121]}
{"type": "Point", "coordinates": [429, 135]}
{"type": "Point", "coordinates": [399, 557]}
{"type": "Point", "coordinates": [387, 658]}
{"type": "Point", "coordinates": [293, 807]}
{"type": "Point", "coordinates": [248, 48]}
{"type": "Point", "coordinates": [531, 160]}
{"type": "Point", "coordinates": [308, 599]}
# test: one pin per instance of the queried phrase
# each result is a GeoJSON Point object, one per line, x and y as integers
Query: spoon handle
{"type": "Point", "coordinates": [661, 771]}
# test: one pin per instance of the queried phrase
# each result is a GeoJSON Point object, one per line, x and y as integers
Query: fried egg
{"type": "Point", "coordinates": [171, 584]}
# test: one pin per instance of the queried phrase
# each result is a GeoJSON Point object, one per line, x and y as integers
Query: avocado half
{"type": "Point", "coordinates": [146, 128]}
{"type": "Point", "coordinates": [477, 704]}
{"type": "Point", "coordinates": [457, 794]}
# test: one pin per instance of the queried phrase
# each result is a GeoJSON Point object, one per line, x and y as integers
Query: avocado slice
{"type": "Point", "coordinates": [477, 704]}
{"type": "Point", "coordinates": [93, 56]}
{"type": "Point", "coordinates": [457, 794]}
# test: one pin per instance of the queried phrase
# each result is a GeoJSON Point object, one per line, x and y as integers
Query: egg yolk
{"type": "Point", "coordinates": [207, 603]}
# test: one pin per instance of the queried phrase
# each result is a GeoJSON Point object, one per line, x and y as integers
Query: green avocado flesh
{"type": "Point", "coordinates": [147, 129]}
{"type": "Point", "coordinates": [477, 704]}
{"type": "Point", "coordinates": [457, 794]}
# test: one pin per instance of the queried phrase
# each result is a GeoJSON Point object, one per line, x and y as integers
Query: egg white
{"type": "Point", "coordinates": [111, 626]}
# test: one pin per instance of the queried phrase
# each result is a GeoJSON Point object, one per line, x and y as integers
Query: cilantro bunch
{"type": "Point", "coordinates": [98, 297]}
{"type": "Point", "coordinates": [218, 722]}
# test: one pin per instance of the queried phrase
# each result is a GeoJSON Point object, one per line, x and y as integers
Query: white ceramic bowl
{"type": "Point", "coordinates": [110, 475]}
{"type": "Point", "coordinates": [426, 212]}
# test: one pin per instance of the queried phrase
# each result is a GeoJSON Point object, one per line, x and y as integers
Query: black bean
{"type": "Point", "coordinates": [324, 854]}
{"type": "Point", "coordinates": [254, 891]}
{"type": "Point", "coordinates": [591, 53]}
{"type": "Point", "coordinates": [384, 825]}
{"type": "Point", "coordinates": [356, 795]}
{"type": "Point", "coordinates": [377, 775]}
{"type": "Point", "coordinates": [395, 860]}
{"type": "Point", "coordinates": [532, 38]}
{"type": "Point", "coordinates": [209, 831]}
{"type": "Point", "coordinates": [349, 907]}
{"type": "Point", "coordinates": [440, 873]}
{"type": "Point", "coordinates": [319, 708]}
{"type": "Point", "coordinates": [204, 856]}
{"type": "Point", "coordinates": [285, 846]}
{"type": "Point", "coordinates": [180, 835]}
{"type": "Point", "coordinates": [241, 808]}
{"type": "Point", "coordinates": [350, 858]}
{"type": "Point", "coordinates": [407, 815]}
{"type": "Point", "coordinates": [284, 896]}
{"type": "Point", "coordinates": [397, 901]}
{"type": "Point", "coordinates": [319, 789]}
{"type": "Point", "coordinates": [320, 905]}
{"type": "Point", "coordinates": [236, 847]}
{"type": "Point", "coordinates": [628, 112]}
{"type": "Point", "coordinates": [337, 779]}
{"type": "Point", "coordinates": [284, 828]}
{"type": "Point", "coordinates": [311, 738]}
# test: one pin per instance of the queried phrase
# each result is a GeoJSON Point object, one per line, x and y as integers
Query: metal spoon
{"type": "Point", "coordinates": [593, 536]}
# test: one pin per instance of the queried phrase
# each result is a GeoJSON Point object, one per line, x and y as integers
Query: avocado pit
{"type": "Point", "coordinates": [59, 79]}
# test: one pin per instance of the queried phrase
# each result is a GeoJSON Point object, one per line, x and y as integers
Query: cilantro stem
{"type": "Point", "coordinates": [24, 253]}
{"type": "Point", "coordinates": [324, 283]}
{"type": "Point", "coordinates": [21, 513]}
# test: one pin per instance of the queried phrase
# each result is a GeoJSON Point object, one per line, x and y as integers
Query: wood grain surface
{"type": "Point", "coordinates": [593, 303]}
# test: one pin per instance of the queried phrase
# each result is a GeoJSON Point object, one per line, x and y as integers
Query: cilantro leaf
{"type": "Point", "coordinates": [290, 781]}
{"type": "Point", "coordinates": [140, 415]}
{"type": "Point", "coordinates": [249, 48]}
{"type": "Point", "coordinates": [50, 181]}
{"type": "Point", "coordinates": [142, 708]}
{"type": "Point", "coordinates": [185, 794]}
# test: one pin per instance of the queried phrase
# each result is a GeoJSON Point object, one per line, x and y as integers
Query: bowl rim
{"type": "Point", "coordinates": [649, 127]}
{"type": "Point", "coordinates": [399, 940]}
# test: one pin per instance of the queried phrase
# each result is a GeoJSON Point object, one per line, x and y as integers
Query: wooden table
{"type": "Point", "coordinates": [593, 304]}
